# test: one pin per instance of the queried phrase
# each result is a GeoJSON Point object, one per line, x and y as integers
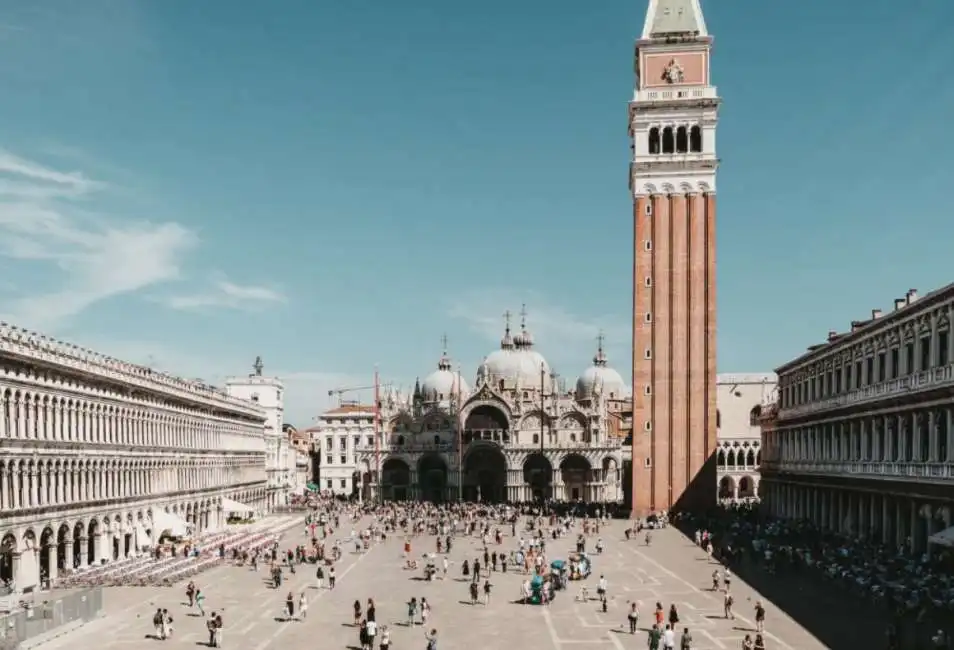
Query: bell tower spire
{"type": "Point", "coordinates": [672, 177]}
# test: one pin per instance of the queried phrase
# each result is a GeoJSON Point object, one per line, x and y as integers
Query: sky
{"type": "Point", "coordinates": [337, 185]}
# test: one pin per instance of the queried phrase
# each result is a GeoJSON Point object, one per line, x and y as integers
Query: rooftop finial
{"type": "Point", "coordinates": [259, 366]}
{"type": "Point", "coordinates": [507, 315]}
{"type": "Point", "coordinates": [444, 363]}
{"type": "Point", "coordinates": [506, 343]}
{"type": "Point", "coordinates": [600, 358]}
{"type": "Point", "coordinates": [444, 344]}
{"type": "Point", "coordinates": [523, 317]}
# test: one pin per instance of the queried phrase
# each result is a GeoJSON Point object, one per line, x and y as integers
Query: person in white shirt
{"type": "Point", "coordinates": [669, 639]}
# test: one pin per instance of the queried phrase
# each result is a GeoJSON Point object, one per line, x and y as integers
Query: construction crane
{"type": "Point", "coordinates": [338, 392]}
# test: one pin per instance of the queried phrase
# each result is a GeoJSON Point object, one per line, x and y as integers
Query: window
{"type": "Point", "coordinates": [343, 444]}
{"type": "Point", "coordinates": [654, 140]}
{"type": "Point", "coordinates": [329, 445]}
{"type": "Point", "coordinates": [648, 281]}
{"type": "Point", "coordinates": [343, 459]}
{"type": "Point", "coordinates": [895, 360]}
{"type": "Point", "coordinates": [942, 345]}
{"type": "Point", "coordinates": [329, 459]}
{"type": "Point", "coordinates": [648, 463]}
{"type": "Point", "coordinates": [925, 353]}
{"type": "Point", "coordinates": [328, 484]}
{"type": "Point", "coordinates": [647, 354]}
{"type": "Point", "coordinates": [649, 317]}
{"type": "Point", "coordinates": [695, 139]}
{"type": "Point", "coordinates": [754, 415]}
{"type": "Point", "coordinates": [908, 358]}
{"type": "Point", "coordinates": [882, 370]}
{"type": "Point", "coordinates": [648, 245]}
{"type": "Point", "coordinates": [370, 441]}
{"type": "Point", "coordinates": [648, 390]}
{"type": "Point", "coordinates": [437, 440]}
{"type": "Point", "coordinates": [343, 483]}
{"type": "Point", "coordinates": [357, 441]}
{"type": "Point", "coordinates": [648, 209]}
{"type": "Point", "coordinates": [648, 425]}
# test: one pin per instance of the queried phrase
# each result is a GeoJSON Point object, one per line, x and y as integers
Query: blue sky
{"type": "Point", "coordinates": [333, 185]}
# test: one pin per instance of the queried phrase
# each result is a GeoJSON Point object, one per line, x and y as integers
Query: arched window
{"type": "Point", "coordinates": [730, 459]}
{"type": "Point", "coordinates": [668, 141]}
{"type": "Point", "coordinates": [754, 415]}
{"type": "Point", "coordinates": [654, 140]}
{"type": "Point", "coordinates": [682, 140]}
{"type": "Point", "coordinates": [695, 139]}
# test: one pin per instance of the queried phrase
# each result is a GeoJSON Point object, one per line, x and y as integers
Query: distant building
{"type": "Point", "coordinates": [861, 439]}
{"type": "Point", "coordinates": [268, 393]}
{"type": "Point", "coordinates": [742, 397]}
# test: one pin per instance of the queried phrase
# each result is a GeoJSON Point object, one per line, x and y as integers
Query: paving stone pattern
{"type": "Point", "coordinates": [671, 570]}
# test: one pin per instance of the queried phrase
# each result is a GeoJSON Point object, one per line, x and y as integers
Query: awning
{"type": "Point", "coordinates": [311, 487]}
{"type": "Point", "coordinates": [943, 538]}
{"type": "Point", "coordinates": [166, 523]}
{"type": "Point", "coordinates": [231, 506]}
{"type": "Point", "coordinates": [142, 539]}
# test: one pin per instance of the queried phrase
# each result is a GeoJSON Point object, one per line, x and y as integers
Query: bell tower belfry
{"type": "Point", "coordinates": [672, 177]}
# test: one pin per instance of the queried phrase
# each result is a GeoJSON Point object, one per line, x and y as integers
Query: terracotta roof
{"type": "Point", "coordinates": [345, 409]}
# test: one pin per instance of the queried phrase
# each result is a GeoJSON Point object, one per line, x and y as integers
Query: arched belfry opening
{"type": "Point", "coordinates": [654, 140]}
{"type": "Point", "coordinates": [668, 140]}
{"type": "Point", "coordinates": [682, 140]}
{"type": "Point", "coordinates": [486, 422]}
{"type": "Point", "coordinates": [695, 139]}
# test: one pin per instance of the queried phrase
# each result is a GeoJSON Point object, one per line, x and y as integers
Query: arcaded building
{"type": "Point", "coordinates": [672, 124]}
{"type": "Point", "coordinates": [860, 440]}
{"type": "Point", "coordinates": [742, 398]}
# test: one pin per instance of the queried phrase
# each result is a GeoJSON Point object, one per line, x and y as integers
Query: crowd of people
{"type": "Point", "coordinates": [916, 592]}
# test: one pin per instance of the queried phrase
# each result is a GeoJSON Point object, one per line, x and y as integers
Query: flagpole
{"type": "Point", "coordinates": [460, 441]}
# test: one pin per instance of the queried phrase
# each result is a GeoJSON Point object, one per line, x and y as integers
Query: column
{"type": "Point", "coordinates": [84, 552]}
{"type": "Point", "coordinates": [51, 562]}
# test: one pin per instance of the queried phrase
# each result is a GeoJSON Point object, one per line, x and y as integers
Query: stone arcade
{"type": "Point", "coordinates": [101, 457]}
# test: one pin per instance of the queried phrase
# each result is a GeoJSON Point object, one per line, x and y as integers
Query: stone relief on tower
{"type": "Point", "coordinates": [519, 436]}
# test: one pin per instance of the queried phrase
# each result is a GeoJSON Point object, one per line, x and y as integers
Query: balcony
{"type": "Point", "coordinates": [669, 94]}
{"type": "Point", "coordinates": [892, 389]}
{"type": "Point", "coordinates": [889, 470]}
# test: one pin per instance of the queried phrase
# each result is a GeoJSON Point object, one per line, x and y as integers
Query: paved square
{"type": "Point", "coordinates": [671, 570]}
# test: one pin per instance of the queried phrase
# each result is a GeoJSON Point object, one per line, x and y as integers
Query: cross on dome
{"type": "Point", "coordinates": [523, 317]}
{"type": "Point", "coordinates": [444, 363]}
{"type": "Point", "coordinates": [506, 343]}
{"type": "Point", "coordinates": [600, 358]}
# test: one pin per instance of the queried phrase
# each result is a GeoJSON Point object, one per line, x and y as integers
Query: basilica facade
{"type": "Point", "coordinates": [516, 435]}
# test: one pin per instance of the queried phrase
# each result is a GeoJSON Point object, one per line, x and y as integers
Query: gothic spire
{"type": "Point", "coordinates": [667, 18]}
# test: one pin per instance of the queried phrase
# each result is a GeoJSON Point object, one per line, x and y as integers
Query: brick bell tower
{"type": "Point", "coordinates": [672, 176]}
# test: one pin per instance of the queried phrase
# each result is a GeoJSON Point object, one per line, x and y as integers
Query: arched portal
{"type": "Point", "coordinates": [538, 474]}
{"type": "Point", "coordinates": [485, 475]}
{"type": "Point", "coordinates": [726, 488]}
{"type": "Point", "coordinates": [746, 488]}
{"type": "Point", "coordinates": [92, 541]}
{"type": "Point", "coordinates": [395, 480]}
{"type": "Point", "coordinates": [8, 548]}
{"type": "Point", "coordinates": [487, 422]}
{"type": "Point", "coordinates": [432, 478]}
{"type": "Point", "coordinates": [79, 546]}
{"type": "Point", "coordinates": [47, 540]}
{"type": "Point", "coordinates": [575, 471]}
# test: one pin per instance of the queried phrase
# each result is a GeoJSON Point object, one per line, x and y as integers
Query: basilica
{"type": "Point", "coordinates": [516, 435]}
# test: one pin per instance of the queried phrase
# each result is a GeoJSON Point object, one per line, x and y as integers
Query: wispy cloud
{"type": "Point", "coordinates": [45, 217]}
{"type": "Point", "coordinates": [227, 295]}
{"type": "Point", "coordinates": [552, 324]}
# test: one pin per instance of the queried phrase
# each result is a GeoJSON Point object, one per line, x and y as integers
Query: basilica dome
{"type": "Point", "coordinates": [600, 378]}
{"type": "Point", "coordinates": [442, 385]}
{"type": "Point", "coordinates": [516, 362]}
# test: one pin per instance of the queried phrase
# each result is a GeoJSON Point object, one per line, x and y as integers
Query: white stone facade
{"type": "Point", "coordinates": [268, 393]}
{"type": "Point", "coordinates": [337, 437]}
{"type": "Point", "coordinates": [92, 447]}
{"type": "Point", "coordinates": [518, 436]}
{"type": "Point", "coordinates": [740, 399]}
{"type": "Point", "coordinates": [861, 439]}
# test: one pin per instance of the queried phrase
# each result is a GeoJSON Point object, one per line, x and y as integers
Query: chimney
{"type": "Point", "coordinates": [899, 303]}
{"type": "Point", "coordinates": [832, 335]}
{"type": "Point", "coordinates": [911, 295]}
{"type": "Point", "coordinates": [856, 325]}
{"type": "Point", "coordinates": [875, 313]}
